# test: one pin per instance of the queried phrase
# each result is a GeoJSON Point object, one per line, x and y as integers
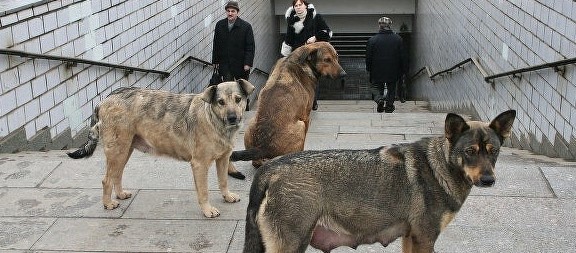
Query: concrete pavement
{"type": "Point", "coordinates": [50, 203]}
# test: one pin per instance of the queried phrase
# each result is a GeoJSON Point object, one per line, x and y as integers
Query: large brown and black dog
{"type": "Point", "coordinates": [331, 198]}
{"type": "Point", "coordinates": [283, 113]}
{"type": "Point", "coordinates": [197, 128]}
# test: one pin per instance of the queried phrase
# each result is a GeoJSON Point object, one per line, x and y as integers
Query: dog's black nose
{"type": "Point", "coordinates": [232, 119]}
{"type": "Point", "coordinates": [486, 180]}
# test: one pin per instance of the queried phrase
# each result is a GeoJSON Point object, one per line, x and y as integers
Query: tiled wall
{"type": "Point", "coordinates": [45, 103]}
{"type": "Point", "coordinates": [503, 35]}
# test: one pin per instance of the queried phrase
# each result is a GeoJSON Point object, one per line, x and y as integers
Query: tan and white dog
{"type": "Point", "coordinates": [197, 128]}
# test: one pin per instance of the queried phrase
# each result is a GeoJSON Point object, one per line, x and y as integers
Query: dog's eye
{"type": "Point", "coordinates": [470, 151]}
{"type": "Point", "coordinates": [328, 60]}
{"type": "Point", "coordinates": [221, 102]}
{"type": "Point", "coordinates": [493, 151]}
{"type": "Point", "coordinates": [238, 100]}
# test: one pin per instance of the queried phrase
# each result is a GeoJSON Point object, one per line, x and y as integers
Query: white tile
{"type": "Point", "coordinates": [42, 121]}
{"type": "Point", "coordinates": [40, 9]}
{"type": "Point", "coordinates": [32, 110]}
{"type": "Point", "coordinates": [56, 114]}
{"type": "Point", "coordinates": [26, 71]}
{"type": "Point", "coordinates": [72, 31]}
{"type": "Point", "coordinates": [38, 85]}
{"type": "Point", "coordinates": [50, 22]}
{"type": "Point", "coordinates": [60, 93]}
{"type": "Point", "coordinates": [36, 27]}
{"type": "Point", "coordinates": [5, 38]}
{"type": "Point", "coordinates": [16, 119]}
{"type": "Point", "coordinates": [24, 14]}
{"type": "Point", "coordinates": [60, 36]}
{"type": "Point", "coordinates": [7, 102]}
{"type": "Point", "coordinates": [47, 42]}
{"type": "Point", "coordinates": [20, 32]}
{"type": "Point", "coordinates": [46, 101]}
{"type": "Point", "coordinates": [10, 79]}
{"type": "Point", "coordinates": [75, 12]}
{"type": "Point", "coordinates": [32, 45]}
{"type": "Point", "coordinates": [23, 94]}
{"type": "Point", "coordinates": [30, 129]}
{"type": "Point", "coordinates": [63, 17]}
{"type": "Point", "coordinates": [9, 19]}
{"type": "Point", "coordinates": [53, 5]}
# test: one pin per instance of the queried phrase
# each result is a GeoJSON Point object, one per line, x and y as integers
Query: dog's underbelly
{"type": "Point", "coordinates": [173, 151]}
{"type": "Point", "coordinates": [327, 239]}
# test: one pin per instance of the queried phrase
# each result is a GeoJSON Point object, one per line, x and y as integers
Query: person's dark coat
{"type": "Point", "coordinates": [235, 48]}
{"type": "Point", "coordinates": [313, 25]}
{"type": "Point", "coordinates": [385, 59]}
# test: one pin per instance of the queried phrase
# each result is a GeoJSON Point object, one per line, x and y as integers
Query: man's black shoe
{"type": "Point", "coordinates": [380, 106]}
{"type": "Point", "coordinates": [389, 108]}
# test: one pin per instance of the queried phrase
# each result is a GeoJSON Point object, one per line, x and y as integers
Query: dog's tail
{"type": "Point", "coordinates": [248, 155]}
{"type": "Point", "coordinates": [88, 148]}
{"type": "Point", "coordinates": [253, 238]}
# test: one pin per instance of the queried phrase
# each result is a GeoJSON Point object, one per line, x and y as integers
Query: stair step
{"type": "Point", "coordinates": [351, 45]}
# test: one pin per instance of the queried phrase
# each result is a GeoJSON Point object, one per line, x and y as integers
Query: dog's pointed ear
{"type": "Point", "coordinates": [502, 124]}
{"type": "Point", "coordinates": [454, 126]}
{"type": "Point", "coordinates": [246, 87]}
{"type": "Point", "coordinates": [209, 94]}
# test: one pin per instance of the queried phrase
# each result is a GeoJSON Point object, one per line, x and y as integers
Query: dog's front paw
{"type": "Point", "coordinates": [231, 197]}
{"type": "Point", "coordinates": [124, 195]}
{"type": "Point", "coordinates": [210, 212]}
{"type": "Point", "coordinates": [112, 204]}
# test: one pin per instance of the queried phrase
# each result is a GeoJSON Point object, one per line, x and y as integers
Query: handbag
{"type": "Point", "coordinates": [216, 78]}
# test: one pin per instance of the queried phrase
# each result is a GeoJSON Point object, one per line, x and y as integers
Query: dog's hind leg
{"type": "Point", "coordinates": [282, 227]}
{"type": "Point", "coordinates": [279, 237]}
{"type": "Point", "coordinates": [293, 138]}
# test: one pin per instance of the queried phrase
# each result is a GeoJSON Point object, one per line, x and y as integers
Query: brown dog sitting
{"type": "Point", "coordinates": [283, 113]}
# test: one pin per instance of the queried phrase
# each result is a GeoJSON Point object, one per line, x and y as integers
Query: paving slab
{"type": "Point", "coordinates": [133, 235]}
{"type": "Point", "coordinates": [182, 205]}
{"type": "Point", "coordinates": [24, 173]}
{"type": "Point", "coordinates": [22, 233]}
{"type": "Point", "coordinates": [562, 180]}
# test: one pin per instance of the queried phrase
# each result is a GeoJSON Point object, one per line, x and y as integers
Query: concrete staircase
{"type": "Point", "coordinates": [350, 44]}
{"type": "Point", "coordinates": [354, 86]}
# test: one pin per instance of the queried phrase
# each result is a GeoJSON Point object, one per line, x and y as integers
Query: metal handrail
{"type": "Point", "coordinates": [206, 63]}
{"type": "Point", "coordinates": [556, 65]}
{"type": "Point", "coordinates": [490, 78]}
{"type": "Point", "coordinates": [164, 74]}
{"type": "Point", "coordinates": [83, 61]}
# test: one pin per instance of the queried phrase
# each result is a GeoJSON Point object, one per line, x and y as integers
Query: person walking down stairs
{"type": "Point", "coordinates": [386, 64]}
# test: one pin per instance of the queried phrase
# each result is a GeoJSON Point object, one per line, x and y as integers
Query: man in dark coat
{"type": "Point", "coordinates": [386, 64]}
{"type": "Point", "coordinates": [234, 47]}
